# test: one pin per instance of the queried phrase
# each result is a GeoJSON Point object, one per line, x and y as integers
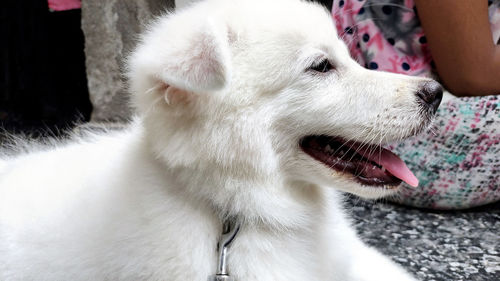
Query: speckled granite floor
{"type": "Point", "coordinates": [434, 245]}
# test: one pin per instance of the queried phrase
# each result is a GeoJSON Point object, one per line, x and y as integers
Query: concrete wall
{"type": "Point", "coordinates": [110, 29]}
{"type": "Point", "coordinates": [183, 3]}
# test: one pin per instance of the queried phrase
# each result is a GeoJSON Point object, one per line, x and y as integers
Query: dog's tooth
{"type": "Point", "coordinates": [328, 148]}
{"type": "Point", "coordinates": [383, 169]}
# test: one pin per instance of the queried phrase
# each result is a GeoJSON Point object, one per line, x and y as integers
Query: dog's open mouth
{"type": "Point", "coordinates": [369, 164]}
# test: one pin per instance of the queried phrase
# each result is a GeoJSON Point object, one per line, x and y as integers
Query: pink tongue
{"type": "Point", "coordinates": [392, 163]}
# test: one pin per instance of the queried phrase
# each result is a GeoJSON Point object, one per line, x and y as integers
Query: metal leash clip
{"type": "Point", "coordinates": [229, 231]}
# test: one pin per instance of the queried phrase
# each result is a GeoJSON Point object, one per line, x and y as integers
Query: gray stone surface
{"type": "Point", "coordinates": [111, 29]}
{"type": "Point", "coordinates": [184, 3]}
{"type": "Point", "coordinates": [434, 245]}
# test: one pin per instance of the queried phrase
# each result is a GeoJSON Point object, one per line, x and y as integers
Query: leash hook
{"type": "Point", "coordinates": [229, 231]}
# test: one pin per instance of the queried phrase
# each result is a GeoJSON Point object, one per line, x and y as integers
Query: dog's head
{"type": "Point", "coordinates": [265, 89]}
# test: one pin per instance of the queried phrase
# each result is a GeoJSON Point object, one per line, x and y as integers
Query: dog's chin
{"type": "Point", "coordinates": [367, 170]}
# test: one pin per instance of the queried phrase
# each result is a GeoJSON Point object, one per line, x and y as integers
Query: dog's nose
{"type": "Point", "coordinates": [430, 93]}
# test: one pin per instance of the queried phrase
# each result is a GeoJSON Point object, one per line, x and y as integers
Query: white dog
{"type": "Point", "coordinates": [248, 111]}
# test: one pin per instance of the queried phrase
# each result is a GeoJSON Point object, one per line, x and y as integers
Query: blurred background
{"type": "Point", "coordinates": [42, 78]}
{"type": "Point", "coordinates": [61, 61]}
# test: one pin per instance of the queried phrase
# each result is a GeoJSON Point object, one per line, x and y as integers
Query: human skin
{"type": "Point", "coordinates": [459, 36]}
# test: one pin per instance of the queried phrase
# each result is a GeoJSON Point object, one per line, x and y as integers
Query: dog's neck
{"type": "Point", "coordinates": [257, 202]}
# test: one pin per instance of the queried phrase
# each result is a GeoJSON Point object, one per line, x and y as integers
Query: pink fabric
{"type": "Point", "coordinates": [386, 34]}
{"type": "Point", "coordinates": [63, 5]}
{"type": "Point", "coordinates": [377, 42]}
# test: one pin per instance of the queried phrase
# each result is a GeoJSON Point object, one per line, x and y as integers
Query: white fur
{"type": "Point", "coordinates": [223, 97]}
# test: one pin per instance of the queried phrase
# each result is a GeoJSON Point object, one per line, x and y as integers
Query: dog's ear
{"type": "Point", "coordinates": [197, 60]}
{"type": "Point", "coordinates": [179, 55]}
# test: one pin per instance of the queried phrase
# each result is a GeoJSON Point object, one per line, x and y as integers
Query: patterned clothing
{"type": "Point", "coordinates": [386, 34]}
{"type": "Point", "coordinates": [457, 160]}
{"type": "Point", "coordinates": [383, 35]}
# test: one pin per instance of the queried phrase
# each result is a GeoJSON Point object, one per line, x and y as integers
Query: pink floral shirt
{"type": "Point", "coordinates": [386, 34]}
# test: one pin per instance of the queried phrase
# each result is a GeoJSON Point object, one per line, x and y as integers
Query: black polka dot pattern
{"type": "Point", "coordinates": [371, 29]}
{"type": "Point", "coordinates": [387, 10]}
{"type": "Point", "coordinates": [373, 65]}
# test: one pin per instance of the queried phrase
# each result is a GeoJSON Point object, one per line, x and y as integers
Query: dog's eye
{"type": "Point", "coordinates": [323, 66]}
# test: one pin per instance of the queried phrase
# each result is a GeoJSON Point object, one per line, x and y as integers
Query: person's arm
{"type": "Point", "coordinates": [459, 37]}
